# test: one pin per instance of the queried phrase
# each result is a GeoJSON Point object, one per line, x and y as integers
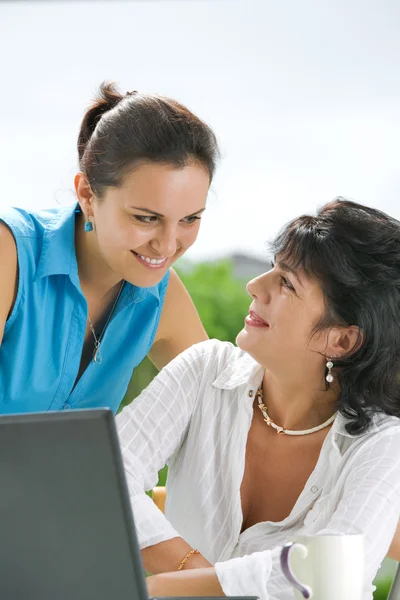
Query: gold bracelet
{"type": "Point", "coordinates": [188, 555]}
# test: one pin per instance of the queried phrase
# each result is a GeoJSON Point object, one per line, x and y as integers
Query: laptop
{"type": "Point", "coordinates": [66, 524]}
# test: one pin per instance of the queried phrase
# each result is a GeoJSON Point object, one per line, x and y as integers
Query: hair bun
{"type": "Point", "coordinates": [107, 98]}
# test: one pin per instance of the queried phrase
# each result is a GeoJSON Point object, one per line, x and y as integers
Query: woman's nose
{"type": "Point", "coordinates": [251, 288]}
{"type": "Point", "coordinates": [258, 287]}
{"type": "Point", "coordinates": [166, 242]}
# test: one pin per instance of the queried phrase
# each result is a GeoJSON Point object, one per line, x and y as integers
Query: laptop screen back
{"type": "Point", "coordinates": [66, 524]}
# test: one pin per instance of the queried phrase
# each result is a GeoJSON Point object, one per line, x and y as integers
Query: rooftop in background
{"type": "Point", "coordinates": [246, 267]}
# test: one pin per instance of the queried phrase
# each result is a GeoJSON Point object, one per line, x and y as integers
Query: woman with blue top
{"type": "Point", "coordinates": [87, 290]}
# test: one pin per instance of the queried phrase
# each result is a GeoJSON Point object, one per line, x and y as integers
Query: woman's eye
{"type": "Point", "coordinates": [191, 219]}
{"type": "Point", "coordinates": [286, 283]}
{"type": "Point", "coordinates": [145, 219]}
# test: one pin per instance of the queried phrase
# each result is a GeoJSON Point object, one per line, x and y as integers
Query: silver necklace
{"type": "Point", "coordinates": [97, 340]}
{"type": "Point", "coordinates": [270, 422]}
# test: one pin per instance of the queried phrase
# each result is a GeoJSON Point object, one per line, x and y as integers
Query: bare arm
{"type": "Point", "coordinates": [203, 582]}
{"type": "Point", "coordinates": [8, 275]}
{"type": "Point", "coordinates": [167, 556]}
{"type": "Point", "coordinates": [180, 326]}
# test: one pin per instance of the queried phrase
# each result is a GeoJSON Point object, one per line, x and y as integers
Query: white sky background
{"type": "Point", "coordinates": [304, 97]}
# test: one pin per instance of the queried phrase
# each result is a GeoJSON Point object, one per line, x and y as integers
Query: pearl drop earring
{"type": "Point", "coordinates": [329, 377]}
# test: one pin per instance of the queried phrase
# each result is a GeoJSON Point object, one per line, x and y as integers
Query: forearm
{"type": "Point", "coordinates": [199, 582]}
{"type": "Point", "coordinates": [167, 556]}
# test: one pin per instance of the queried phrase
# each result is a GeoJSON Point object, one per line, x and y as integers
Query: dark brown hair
{"type": "Point", "coordinates": [353, 251]}
{"type": "Point", "coordinates": [118, 132]}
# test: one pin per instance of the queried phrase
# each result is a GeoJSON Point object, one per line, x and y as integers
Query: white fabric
{"type": "Point", "coordinates": [195, 416]}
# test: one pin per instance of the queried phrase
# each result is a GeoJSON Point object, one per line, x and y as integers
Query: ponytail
{"type": "Point", "coordinates": [107, 98]}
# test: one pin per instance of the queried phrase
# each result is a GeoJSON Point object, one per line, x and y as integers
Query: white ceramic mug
{"type": "Point", "coordinates": [325, 567]}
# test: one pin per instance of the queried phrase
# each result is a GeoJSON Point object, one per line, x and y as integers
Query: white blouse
{"type": "Point", "coordinates": [195, 416]}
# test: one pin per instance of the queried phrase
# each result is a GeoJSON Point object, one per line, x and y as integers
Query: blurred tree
{"type": "Point", "coordinates": [382, 589]}
{"type": "Point", "coordinates": [220, 298]}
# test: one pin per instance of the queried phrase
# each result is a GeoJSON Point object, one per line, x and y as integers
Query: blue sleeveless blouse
{"type": "Point", "coordinates": [41, 349]}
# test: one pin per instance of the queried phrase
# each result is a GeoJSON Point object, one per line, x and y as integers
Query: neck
{"type": "Point", "coordinates": [299, 403]}
{"type": "Point", "coordinates": [94, 273]}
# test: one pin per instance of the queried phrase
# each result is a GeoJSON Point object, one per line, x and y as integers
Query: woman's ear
{"type": "Point", "coordinates": [344, 341]}
{"type": "Point", "coordinates": [84, 194]}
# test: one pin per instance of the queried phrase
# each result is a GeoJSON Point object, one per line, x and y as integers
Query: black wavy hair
{"type": "Point", "coordinates": [353, 251]}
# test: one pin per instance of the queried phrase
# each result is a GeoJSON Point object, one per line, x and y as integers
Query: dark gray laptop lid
{"type": "Point", "coordinates": [66, 523]}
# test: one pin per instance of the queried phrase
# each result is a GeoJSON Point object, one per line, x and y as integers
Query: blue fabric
{"type": "Point", "coordinates": [42, 345]}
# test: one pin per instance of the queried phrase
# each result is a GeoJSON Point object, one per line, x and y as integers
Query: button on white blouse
{"type": "Point", "coordinates": [195, 416]}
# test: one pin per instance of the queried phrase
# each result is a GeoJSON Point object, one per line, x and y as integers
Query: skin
{"type": "Point", "coordinates": [297, 397]}
{"type": "Point", "coordinates": [394, 550]}
{"type": "Point", "coordinates": [155, 212]}
{"type": "Point", "coordinates": [8, 275]}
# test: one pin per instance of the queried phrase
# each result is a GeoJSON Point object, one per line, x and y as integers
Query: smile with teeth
{"type": "Point", "coordinates": [151, 261]}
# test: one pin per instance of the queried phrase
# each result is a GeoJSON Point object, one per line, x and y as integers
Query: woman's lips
{"type": "Point", "coordinates": [253, 320]}
{"type": "Point", "coordinates": [147, 264]}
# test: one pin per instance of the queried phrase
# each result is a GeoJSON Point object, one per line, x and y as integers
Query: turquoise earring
{"type": "Point", "coordinates": [88, 226]}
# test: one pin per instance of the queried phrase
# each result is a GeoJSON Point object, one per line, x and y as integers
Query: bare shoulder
{"type": "Point", "coordinates": [175, 285]}
{"type": "Point", "coordinates": [180, 326]}
{"type": "Point", "coordinates": [177, 305]}
{"type": "Point", "coordinates": [8, 274]}
{"type": "Point", "coordinates": [8, 248]}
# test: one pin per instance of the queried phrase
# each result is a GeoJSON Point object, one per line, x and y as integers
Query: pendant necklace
{"type": "Point", "coordinates": [97, 340]}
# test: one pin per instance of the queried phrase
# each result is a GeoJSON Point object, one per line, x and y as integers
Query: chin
{"type": "Point", "coordinates": [145, 280]}
{"type": "Point", "coordinates": [245, 341]}
{"type": "Point", "coordinates": [239, 338]}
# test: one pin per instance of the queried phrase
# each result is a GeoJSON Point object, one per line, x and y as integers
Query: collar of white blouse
{"type": "Point", "coordinates": [247, 372]}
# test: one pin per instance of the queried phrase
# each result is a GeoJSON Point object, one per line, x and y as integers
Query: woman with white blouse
{"type": "Point", "coordinates": [295, 431]}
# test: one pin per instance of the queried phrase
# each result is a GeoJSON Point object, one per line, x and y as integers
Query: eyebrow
{"type": "Point", "coordinates": [156, 214]}
{"type": "Point", "coordinates": [285, 267]}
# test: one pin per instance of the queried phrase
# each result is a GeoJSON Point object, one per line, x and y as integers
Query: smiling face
{"type": "Point", "coordinates": [143, 226]}
{"type": "Point", "coordinates": [286, 308]}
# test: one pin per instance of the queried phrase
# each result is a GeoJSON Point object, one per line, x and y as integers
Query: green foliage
{"type": "Point", "coordinates": [162, 476]}
{"type": "Point", "coordinates": [382, 589]}
{"type": "Point", "coordinates": [141, 378]}
{"type": "Point", "coordinates": [220, 298]}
